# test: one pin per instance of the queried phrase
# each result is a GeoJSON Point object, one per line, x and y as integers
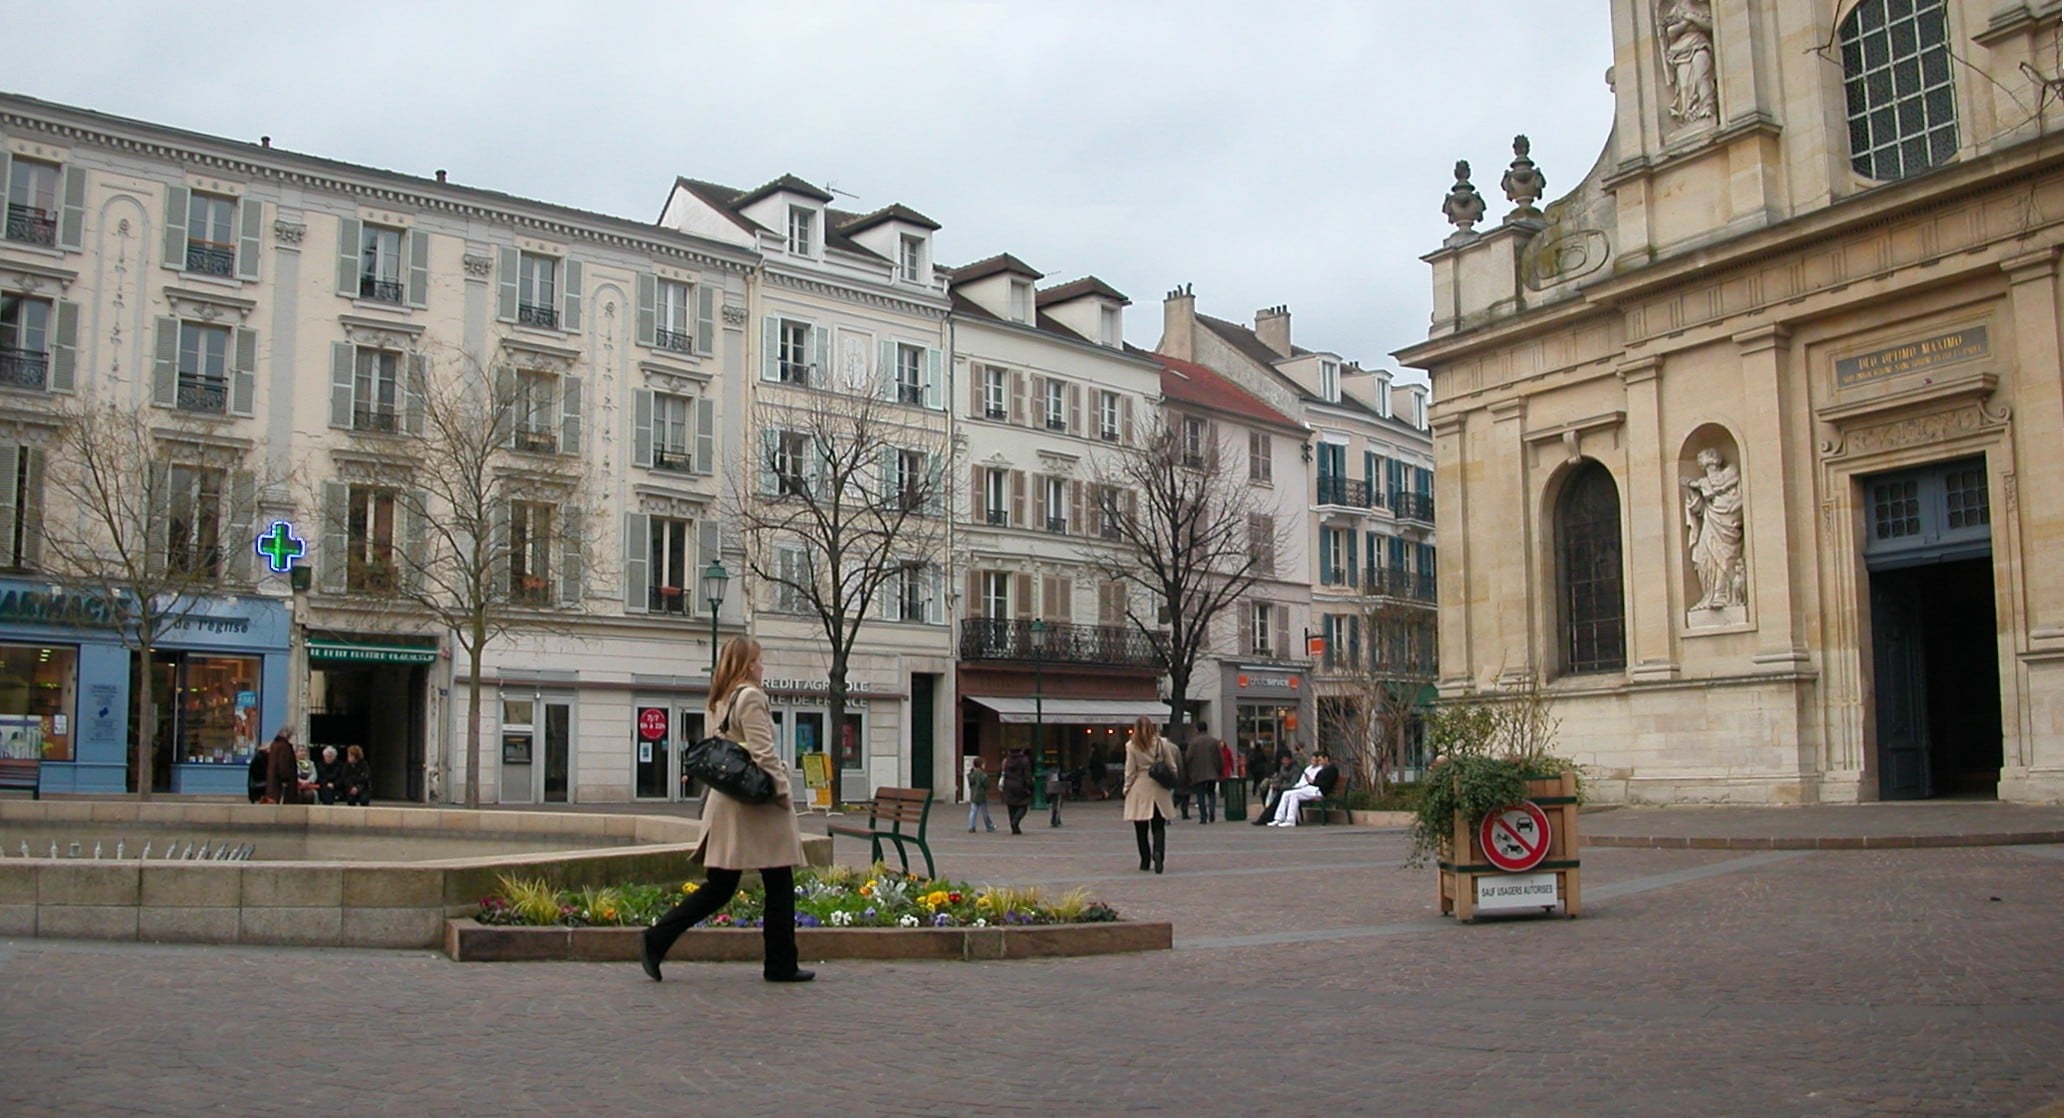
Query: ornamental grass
{"type": "Point", "coordinates": [838, 897]}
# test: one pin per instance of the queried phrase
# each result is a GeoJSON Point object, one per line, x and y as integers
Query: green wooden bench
{"type": "Point", "coordinates": [898, 815]}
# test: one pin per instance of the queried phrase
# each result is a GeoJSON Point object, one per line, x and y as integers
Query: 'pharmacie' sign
{"type": "Point", "coordinates": [79, 611]}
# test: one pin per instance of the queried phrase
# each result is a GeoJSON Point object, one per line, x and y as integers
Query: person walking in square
{"type": "Point", "coordinates": [1017, 788]}
{"type": "Point", "coordinates": [978, 795]}
{"type": "Point", "coordinates": [738, 836]}
{"type": "Point", "coordinates": [1148, 805]}
{"type": "Point", "coordinates": [1205, 759]}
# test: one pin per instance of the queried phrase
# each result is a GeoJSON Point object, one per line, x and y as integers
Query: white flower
{"type": "Point", "coordinates": [841, 919]}
{"type": "Point", "coordinates": [908, 922]}
{"type": "Point", "coordinates": [981, 922]}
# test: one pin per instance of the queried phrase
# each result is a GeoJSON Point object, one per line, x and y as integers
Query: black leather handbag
{"type": "Point", "coordinates": [724, 765]}
{"type": "Point", "coordinates": [1161, 772]}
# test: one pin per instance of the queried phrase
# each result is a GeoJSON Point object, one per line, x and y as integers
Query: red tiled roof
{"type": "Point", "coordinates": [1186, 382]}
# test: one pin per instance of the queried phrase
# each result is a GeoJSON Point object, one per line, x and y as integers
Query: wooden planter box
{"type": "Point", "coordinates": [1556, 796]}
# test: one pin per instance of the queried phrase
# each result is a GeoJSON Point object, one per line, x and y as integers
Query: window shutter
{"type": "Point", "coordinates": [1281, 644]}
{"type": "Point", "coordinates": [977, 402]}
{"type": "Point", "coordinates": [820, 341]}
{"type": "Point", "coordinates": [350, 243]}
{"type": "Point", "coordinates": [1245, 615]}
{"type": "Point", "coordinates": [1066, 613]}
{"type": "Point", "coordinates": [1211, 437]}
{"type": "Point", "coordinates": [251, 222]}
{"type": "Point", "coordinates": [770, 450]}
{"type": "Point", "coordinates": [1039, 502]}
{"type": "Point", "coordinates": [176, 200]}
{"type": "Point", "coordinates": [637, 550]}
{"type": "Point", "coordinates": [1075, 409]}
{"type": "Point", "coordinates": [332, 562]}
{"type": "Point", "coordinates": [705, 319]}
{"type": "Point", "coordinates": [243, 374]}
{"type": "Point", "coordinates": [418, 290]}
{"type": "Point", "coordinates": [569, 415]}
{"type": "Point", "coordinates": [1125, 420]}
{"type": "Point", "coordinates": [1049, 598]}
{"type": "Point", "coordinates": [1017, 498]}
{"type": "Point", "coordinates": [934, 379]}
{"type": "Point", "coordinates": [1036, 396]}
{"type": "Point", "coordinates": [1017, 397]}
{"type": "Point", "coordinates": [770, 349]}
{"type": "Point", "coordinates": [641, 427]}
{"type": "Point", "coordinates": [570, 298]}
{"type": "Point", "coordinates": [934, 603]}
{"type": "Point", "coordinates": [1021, 594]}
{"type": "Point", "coordinates": [889, 462]}
{"type": "Point", "coordinates": [10, 478]}
{"type": "Point", "coordinates": [1326, 556]}
{"type": "Point", "coordinates": [978, 501]}
{"type": "Point", "coordinates": [71, 214]}
{"type": "Point", "coordinates": [64, 348]}
{"type": "Point", "coordinates": [505, 404]}
{"type": "Point", "coordinates": [415, 541]}
{"type": "Point", "coordinates": [511, 274]}
{"type": "Point", "coordinates": [935, 486]}
{"type": "Point", "coordinates": [572, 521]}
{"type": "Point", "coordinates": [1075, 508]}
{"type": "Point", "coordinates": [165, 366]}
{"type": "Point", "coordinates": [415, 392]}
{"type": "Point", "coordinates": [648, 309]}
{"type": "Point", "coordinates": [1348, 547]}
{"type": "Point", "coordinates": [343, 383]}
{"type": "Point", "coordinates": [705, 436]}
{"type": "Point", "coordinates": [710, 545]}
{"type": "Point", "coordinates": [891, 593]}
{"type": "Point", "coordinates": [886, 370]}
{"type": "Point", "coordinates": [238, 554]}
{"type": "Point", "coordinates": [972, 600]}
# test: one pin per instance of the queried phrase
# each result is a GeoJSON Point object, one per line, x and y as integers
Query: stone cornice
{"type": "Point", "coordinates": [849, 293]}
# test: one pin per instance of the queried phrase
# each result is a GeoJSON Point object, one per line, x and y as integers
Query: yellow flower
{"type": "Point", "coordinates": [689, 887]}
{"type": "Point", "coordinates": [606, 913]}
{"type": "Point", "coordinates": [867, 890]}
{"type": "Point", "coordinates": [982, 901]}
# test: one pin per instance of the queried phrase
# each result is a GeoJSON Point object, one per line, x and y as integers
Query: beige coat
{"type": "Point", "coordinates": [1142, 795]}
{"type": "Point", "coordinates": [742, 836]}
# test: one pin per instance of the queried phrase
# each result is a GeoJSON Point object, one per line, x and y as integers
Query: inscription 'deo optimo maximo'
{"type": "Point", "coordinates": [1912, 357]}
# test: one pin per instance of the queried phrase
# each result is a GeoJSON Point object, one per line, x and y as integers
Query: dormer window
{"type": "Point", "coordinates": [913, 259]}
{"type": "Point", "coordinates": [1329, 381]}
{"type": "Point", "coordinates": [1021, 301]}
{"type": "Point", "coordinates": [802, 230]}
{"type": "Point", "coordinates": [1112, 330]}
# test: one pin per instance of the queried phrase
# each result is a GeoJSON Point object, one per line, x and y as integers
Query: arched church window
{"type": "Point", "coordinates": [1587, 531]}
{"type": "Point", "coordinates": [1896, 75]}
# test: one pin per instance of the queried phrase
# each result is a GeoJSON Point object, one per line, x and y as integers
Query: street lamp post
{"type": "Point", "coordinates": [1038, 698]}
{"type": "Point", "coordinates": [714, 581]}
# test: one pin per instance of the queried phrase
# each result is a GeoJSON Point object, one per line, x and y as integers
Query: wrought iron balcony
{"type": "Point", "coordinates": [383, 420]}
{"type": "Point", "coordinates": [537, 440]}
{"type": "Point", "coordinates": [1056, 423]}
{"type": "Point", "coordinates": [998, 517]}
{"type": "Point", "coordinates": [666, 599]}
{"type": "Point", "coordinates": [909, 393]}
{"type": "Point", "coordinates": [381, 290]}
{"type": "Point", "coordinates": [994, 412]}
{"type": "Point", "coordinates": [24, 368]}
{"type": "Point", "coordinates": [367, 576]}
{"type": "Point", "coordinates": [30, 225]}
{"type": "Point", "coordinates": [673, 459]}
{"type": "Point", "coordinates": [1347, 492]}
{"type": "Point", "coordinates": [1408, 585]}
{"type": "Point", "coordinates": [677, 340]}
{"type": "Point", "coordinates": [210, 259]}
{"type": "Point", "coordinates": [1108, 434]}
{"type": "Point", "coordinates": [1057, 525]}
{"type": "Point", "coordinates": [1412, 506]}
{"type": "Point", "coordinates": [530, 315]}
{"type": "Point", "coordinates": [209, 394]}
{"type": "Point", "coordinates": [983, 638]}
{"type": "Point", "coordinates": [795, 372]}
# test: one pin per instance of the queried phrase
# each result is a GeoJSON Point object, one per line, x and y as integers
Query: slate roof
{"type": "Point", "coordinates": [1186, 382]}
{"type": "Point", "coordinates": [789, 183]}
{"type": "Point", "coordinates": [994, 265]}
{"type": "Point", "coordinates": [1087, 285]}
{"type": "Point", "coordinates": [894, 211]}
{"type": "Point", "coordinates": [729, 200]}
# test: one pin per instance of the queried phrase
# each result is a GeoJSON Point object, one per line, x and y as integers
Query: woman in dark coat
{"type": "Point", "coordinates": [282, 776]}
{"type": "Point", "coordinates": [356, 785]}
{"type": "Point", "coordinates": [1017, 788]}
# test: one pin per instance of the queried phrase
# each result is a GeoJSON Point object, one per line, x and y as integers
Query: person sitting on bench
{"type": "Point", "coordinates": [1318, 782]}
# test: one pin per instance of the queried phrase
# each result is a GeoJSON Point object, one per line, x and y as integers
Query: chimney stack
{"type": "Point", "coordinates": [440, 174]}
{"type": "Point", "coordinates": [265, 141]}
{"type": "Point", "coordinates": [1272, 326]}
{"type": "Point", "coordinates": [1179, 324]}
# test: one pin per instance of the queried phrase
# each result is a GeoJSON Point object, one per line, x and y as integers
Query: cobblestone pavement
{"type": "Point", "coordinates": [1311, 976]}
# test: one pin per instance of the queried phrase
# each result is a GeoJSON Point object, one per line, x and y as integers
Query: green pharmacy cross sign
{"type": "Point", "coordinates": [281, 547]}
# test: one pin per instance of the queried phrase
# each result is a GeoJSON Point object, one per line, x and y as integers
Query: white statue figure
{"type": "Point", "coordinates": [1713, 524]}
{"type": "Point", "coordinates": [1687, 33]}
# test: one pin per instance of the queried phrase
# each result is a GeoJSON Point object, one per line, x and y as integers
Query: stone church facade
{"type": "Point", "coordinates": [1751, 447]}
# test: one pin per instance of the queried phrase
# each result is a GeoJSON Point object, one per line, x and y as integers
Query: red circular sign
{"type": "Point", "coordinates": [1514, 839]}
{"type": "Point", "coordinates": [652, 723]}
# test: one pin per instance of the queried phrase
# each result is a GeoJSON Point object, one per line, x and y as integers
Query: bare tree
{"type": "Point", "coordinates": [145, 516]}
{"type": "Point", "coordinates": [1373, 694]}
{"type": "Point", "coordinates": [473, 521]}
{"type": "Point", "coordinates": [1176, 522]}
{"type": "Point", "coordinates": [845, 510]}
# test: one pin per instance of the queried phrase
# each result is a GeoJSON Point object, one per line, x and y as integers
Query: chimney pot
{"type": "Point", "coordinates": [265, 141]}
{"type": "Point", "coordinates": [440, 174]}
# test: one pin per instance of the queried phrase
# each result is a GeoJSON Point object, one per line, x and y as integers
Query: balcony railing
{"type": "Point", "coordinates": [909, 393]}
{"type": "Point", "coordinates": [992, 411]}
{"type": "Point", "coordinates": [366, 576]}
{"type": "Point", "coordinates": [1057, 525]}
{"type": "Point", "coordinates": [530, 315]}
{"type": "Point", "coordinates": [1412, 506]}
{"type": "Point", "coordinates": [674, 459]}
{"type": "Point", "coordinates": [209, 394]}
{"type": "Point", "coordinates": [383, 420]}
{"type": "Point", "coordinates": [381, 290]}
{"type": "Point", "coordinates": [1347, 492]}
{"type": "Point", "coordinates": [666, 599]}
{"type": "Point", "coordinates": [210, 259]}
{"type": "Point", "coordinates": [31, 225]}
{"type": "Point", "coordinates": [679, 341]}
{"type": "Point", "coordinates": [983, 638]}
{"type": "Point", "coordinates": [541, 441]}
{"type": "Point", "coordinates": [998, 517]}
{"type": "Point", "coordinates": [1408, 585]}
{"type": "Point", "coordinates": [795, 372]}
{"type": "Point", "coordinates": [24, 368]}
{"type": "Point", "coordinates": [1056, 423]}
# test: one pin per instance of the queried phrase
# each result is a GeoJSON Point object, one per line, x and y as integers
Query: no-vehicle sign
{"type": "Point", "coordinates": [1515, 838]}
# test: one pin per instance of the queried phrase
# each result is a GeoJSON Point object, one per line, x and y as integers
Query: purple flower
{"type": "Point", "coordinates": [869, 913]}
{"type": "Point", "coordinates": [942, 921]}
{"type": "Point", "coordinates": [805, 920]}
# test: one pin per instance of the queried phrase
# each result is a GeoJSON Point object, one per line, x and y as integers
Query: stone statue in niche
{"type": "Point", "coordinates": [1713, 529]}
{"type": "Point", "coordinates": [1463, 207]}
{"type": "Point", "coordinates": [1687, 37]}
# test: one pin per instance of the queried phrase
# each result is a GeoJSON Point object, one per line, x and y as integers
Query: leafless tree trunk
{"type": "Point", "coordinates": [844, 508]}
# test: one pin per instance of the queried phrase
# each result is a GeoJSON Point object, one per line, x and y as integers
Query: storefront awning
{"type": "Point", "coordinates": [1017, 709]}
{"type": "Point", "coordinates": [347, 652]}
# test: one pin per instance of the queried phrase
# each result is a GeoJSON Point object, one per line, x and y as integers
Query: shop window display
{"type": "Point", "coordinates": [214, 719]}
{"type": "Point", "coordinates": [38, 695]}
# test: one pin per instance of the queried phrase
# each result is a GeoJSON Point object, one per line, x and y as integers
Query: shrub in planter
{"type": "Point", "coordinates": [1485, 752]}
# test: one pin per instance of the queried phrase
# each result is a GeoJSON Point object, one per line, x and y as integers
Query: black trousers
{"type": "Point", "coordinates": [1153, 838]}
{"type": "Point", "coordinates": [778, 934]}
{"type": "Point", "coordinates": [1017, 816]}
{"type": "Point", "coordinates": [1206, 792]}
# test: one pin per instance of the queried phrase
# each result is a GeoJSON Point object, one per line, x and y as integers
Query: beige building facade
{"type": "Point", "coordinates": [1749, 447]}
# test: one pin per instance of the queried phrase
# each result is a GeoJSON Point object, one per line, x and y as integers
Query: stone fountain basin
{"type": "Point", "coordinates": [320, 876]}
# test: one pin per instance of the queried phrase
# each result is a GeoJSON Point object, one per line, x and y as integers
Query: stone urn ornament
{"type": "Point", "coordinates": [1523, 182]}
{"type": "Point", "coordinates": [1463, 207]}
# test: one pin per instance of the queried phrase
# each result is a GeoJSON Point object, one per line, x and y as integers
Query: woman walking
{"type": "Point", "coordinates": [1148, 805]}
{"type": "Point", "coordinates": [1017, 788]}
{"type": "Point", "coordinates": [738, 836]}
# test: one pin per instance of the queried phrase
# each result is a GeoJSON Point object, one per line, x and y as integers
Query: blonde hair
{"type": "Point", "coordinates": [1143, 732]}
{"type": "Point", "coordinates": [733, 665]}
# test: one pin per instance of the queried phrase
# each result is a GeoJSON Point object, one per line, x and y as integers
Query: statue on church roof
{"type": "Point", "coordinates": [1686, 28]}
{"type": "Point", "coordinates": [1523, 182]}
{"type": "Point", "coordinates": [1463, 206]}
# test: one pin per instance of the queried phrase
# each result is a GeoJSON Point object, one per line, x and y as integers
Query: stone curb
{"type": "Point", "coordinates": [1833, 842]}
{"type": "Point", "coordinates": [468, 941]}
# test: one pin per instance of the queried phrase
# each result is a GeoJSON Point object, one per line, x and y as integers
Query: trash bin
{"type": "Point", "coordinates": [1232, 799]}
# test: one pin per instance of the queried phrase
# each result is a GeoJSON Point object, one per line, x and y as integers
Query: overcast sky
{"type": "Point", "coordinates": [1265, 153]}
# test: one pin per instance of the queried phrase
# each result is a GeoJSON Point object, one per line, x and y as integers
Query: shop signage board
{"type": "Point", "coordinates": [1515, 890]}
{"type": "Point", "coordinates": [1515, 839]}
{"type": "Point", "coordinates": [652, 723]}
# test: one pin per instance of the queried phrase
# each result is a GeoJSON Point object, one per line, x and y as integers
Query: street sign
{"type": "Point", "coordinates": [1520, 890]}
{"type": "Point", "coordinates": [652, 723]}
{"type": "Point", "coordinates": [1515, 838]}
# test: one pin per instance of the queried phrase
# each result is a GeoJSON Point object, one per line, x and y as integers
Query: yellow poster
{"type": "Point", "coordinates": [816, 770]}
